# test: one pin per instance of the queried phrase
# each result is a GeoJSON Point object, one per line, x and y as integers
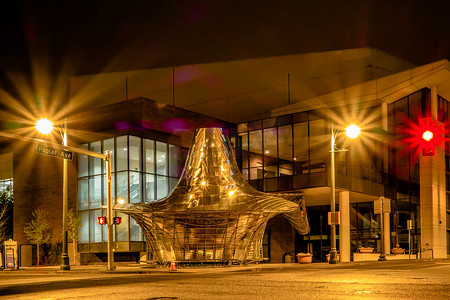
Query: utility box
{"type": "Point", "coordinates": [11, 258]}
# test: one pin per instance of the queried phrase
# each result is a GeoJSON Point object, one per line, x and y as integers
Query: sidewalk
{"type": "Point", "coordinates": [136, 268]}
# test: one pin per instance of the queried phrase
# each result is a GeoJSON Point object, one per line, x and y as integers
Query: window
{"type": "Point", "coordinates": [143, 170]}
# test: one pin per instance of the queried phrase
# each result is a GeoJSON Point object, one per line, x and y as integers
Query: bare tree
{"type": "Point", "coordinates": [3, 222]}
{"type": "Point", "coordinates": [38, 230]}
{"type": "Point", "coordinates": [6, 213]}
{"type": "Point", "coordinates": [74, 225]}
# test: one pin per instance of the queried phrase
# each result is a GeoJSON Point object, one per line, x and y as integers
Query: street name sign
{"type": "Point", "coordinates": [50, 151]}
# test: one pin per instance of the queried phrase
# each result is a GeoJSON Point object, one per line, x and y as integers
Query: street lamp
{"type": "Point", "coordinates": [45, 126]}
{"type": "Point", "coordinates": [352, 132]}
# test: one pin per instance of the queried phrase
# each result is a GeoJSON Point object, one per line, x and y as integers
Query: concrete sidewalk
{"type": "Point", "coordinates": [136, 268]}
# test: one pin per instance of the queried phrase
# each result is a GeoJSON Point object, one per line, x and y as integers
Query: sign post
{"type": "Point", "coordinates": [409, 225]}
{"type": "Point", "coordinates": [381, 206]}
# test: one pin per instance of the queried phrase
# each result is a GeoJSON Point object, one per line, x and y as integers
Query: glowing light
{"type": "Point", "coordinates": [267, 151]}
{"type": "Point", "coordinates": [203, 183]}
{"type": "Point", "coordinates": [231, 193]}
{"type": "Point", "coordinates": [427, 135]}
{"type": "Point", "coordinates": [353, 131]}
{"type": "Point", "coordinates": [422, 136]}
{"type": "Point", "coordinates": [121, 201]}
{"type": "Point", "coordinates": [44, 126]}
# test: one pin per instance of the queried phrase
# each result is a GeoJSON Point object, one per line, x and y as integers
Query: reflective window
{"type": "Point", "coordinates": [95, 163]}
{"type": "Point", "coordinates": [95, 229]}
{"type": "Point", "coordinates": [95, 192]}
{"type": "Point", "coordinates": [122, 153]}
{"type": "Point", "coordinates": [135, 231]}
{"type": "Point", "coordinates": [256, 158]}
{"type": "Point", "coordinates": [122, 229]}
{"type": "Point", "coordinates": [122, 186]}
{"type": "Point", "coordinates": [135, 153]}
{"type": "Point", "coordinates": [162, 187]}
{"type": "Point", "coordinates": [301, 148]}
{"type": "Point", "coordinates": [143, 170]}
{"type": "Point", "coordinates": [84, 229]}
{"type": "Point", "coordinates": [161, 158]}
{"type": "Point", "coordinates": [83, 194]}
{"type": "Point", "coordinates": [270, 153]}
{"type": "Point", "coordinates": [135, 187]}
{"type": "Point", "coordinates": [149, 156]}
{"type": "Point", "coordinates": [285, 150]}
{"type": "Point", "coordinates": [174, 154]}
{"type": "Point", "coordinates": [319, 142]}
{"type": "Point", "coordinates": [150, 187]}
{"type": "Point", "coordinates": [83, 163]}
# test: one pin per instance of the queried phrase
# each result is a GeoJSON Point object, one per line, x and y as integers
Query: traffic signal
{"type": "Point", "coordinates": [423, 136]}
{"type": "Point", "coordinates": [117, 220]}
{"type": "Point", "coordinates": [101, 220]}
{"type": "Point", "coordinates": [428, 144]}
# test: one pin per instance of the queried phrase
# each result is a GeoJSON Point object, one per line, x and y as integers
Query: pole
{"type": "Point", "coordinates": [383, 253]}
{"type": "Point", "coordinates": [333, 252]}
{"type": "Point", "coordinates": [409, 243]}
{"type": "Point", "coordinates": [65, 263]}
{"type": "Point", "coordinates": [109, 212]}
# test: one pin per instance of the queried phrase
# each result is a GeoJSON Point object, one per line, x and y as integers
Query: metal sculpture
{"type": "Point", "coordinates": [213, 214]}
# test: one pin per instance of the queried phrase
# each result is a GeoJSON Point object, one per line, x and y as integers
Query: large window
{"type": "Point", "coordinates": [281, 153]}
{"type": "Point", "coordinates": [143, 170]}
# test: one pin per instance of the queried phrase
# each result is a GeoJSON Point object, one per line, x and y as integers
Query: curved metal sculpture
{"type": "Point", "coordinates": [213, 214]}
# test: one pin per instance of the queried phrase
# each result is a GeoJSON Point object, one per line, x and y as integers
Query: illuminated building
{"type": "Point", "coordinates": [278, 113]}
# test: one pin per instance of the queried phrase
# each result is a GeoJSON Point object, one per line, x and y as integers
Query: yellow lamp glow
{"type": "Point", "coordinates": [44, 126]}
{"type": "Point", "coordinates": [427, 135]}
{"type": "Point", "coordinates": [353, 131]}
{"type": "Point", "coordinates": [121, 201]}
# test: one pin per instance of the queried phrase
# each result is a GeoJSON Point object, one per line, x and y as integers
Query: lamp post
{"type": "Point", "coordinates": [352, 132]}
{"type": "Point", "coordinates": [45, 126]}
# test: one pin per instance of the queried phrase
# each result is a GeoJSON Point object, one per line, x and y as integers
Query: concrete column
{"type": "Point", "coordinates": [433, 198]}
{"type": "Point", "coordinates": [344, 226]}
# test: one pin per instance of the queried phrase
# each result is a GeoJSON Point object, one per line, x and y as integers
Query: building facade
{"type": "Point", "coordinates": [278, 114]}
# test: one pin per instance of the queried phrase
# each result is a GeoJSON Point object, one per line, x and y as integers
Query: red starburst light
{"type": "Point", "coordinates": [423, 136]}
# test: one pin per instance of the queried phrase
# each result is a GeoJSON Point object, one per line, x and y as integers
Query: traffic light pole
{"type": "Point", "coordinates": [109, 219]}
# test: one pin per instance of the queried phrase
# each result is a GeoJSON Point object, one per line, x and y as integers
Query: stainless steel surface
{"type": "Point", "coordinates": [213, 214]}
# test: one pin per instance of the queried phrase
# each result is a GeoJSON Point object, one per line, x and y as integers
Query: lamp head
{"type": "Point", "coordinates": [353, 131]}
{"type": "Point", "coordinates": [44, 126]}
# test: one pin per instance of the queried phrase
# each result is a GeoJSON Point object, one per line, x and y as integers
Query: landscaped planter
{"type": "Point", "coordinates": [304, 258]}
{"type": "Point", "coordinates": [365, 250]}
{"type": "Point", "coordinates": [397, 250]}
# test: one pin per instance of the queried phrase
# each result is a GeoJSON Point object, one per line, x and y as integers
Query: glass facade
{"type": "Point", "coordinates": [444, 117]}
{"type": "Point", "coordinates": [143, 170]}
{"type": "Point", "coordinates": [404, 176]}
{"type": "Point", "coordinates": [284, 153]}
{"type": "Point", "coordinates": [292, 152]}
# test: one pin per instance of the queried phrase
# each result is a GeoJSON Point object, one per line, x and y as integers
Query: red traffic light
{"type": "Point", "coordinates": [117, 220]}
{"type": "Point", "coordinates": [423, 136]}
{"type": "Point", "coordinates": [428, 143]}
{"type": "Point", "coordinates": [101, 220]}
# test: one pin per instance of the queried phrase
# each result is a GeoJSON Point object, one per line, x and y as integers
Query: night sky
{"type": "Point", "coordinates": [85, 37]}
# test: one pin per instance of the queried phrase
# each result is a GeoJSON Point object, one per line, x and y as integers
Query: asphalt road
{"type": "Point", "coordinates": [370, 280]}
